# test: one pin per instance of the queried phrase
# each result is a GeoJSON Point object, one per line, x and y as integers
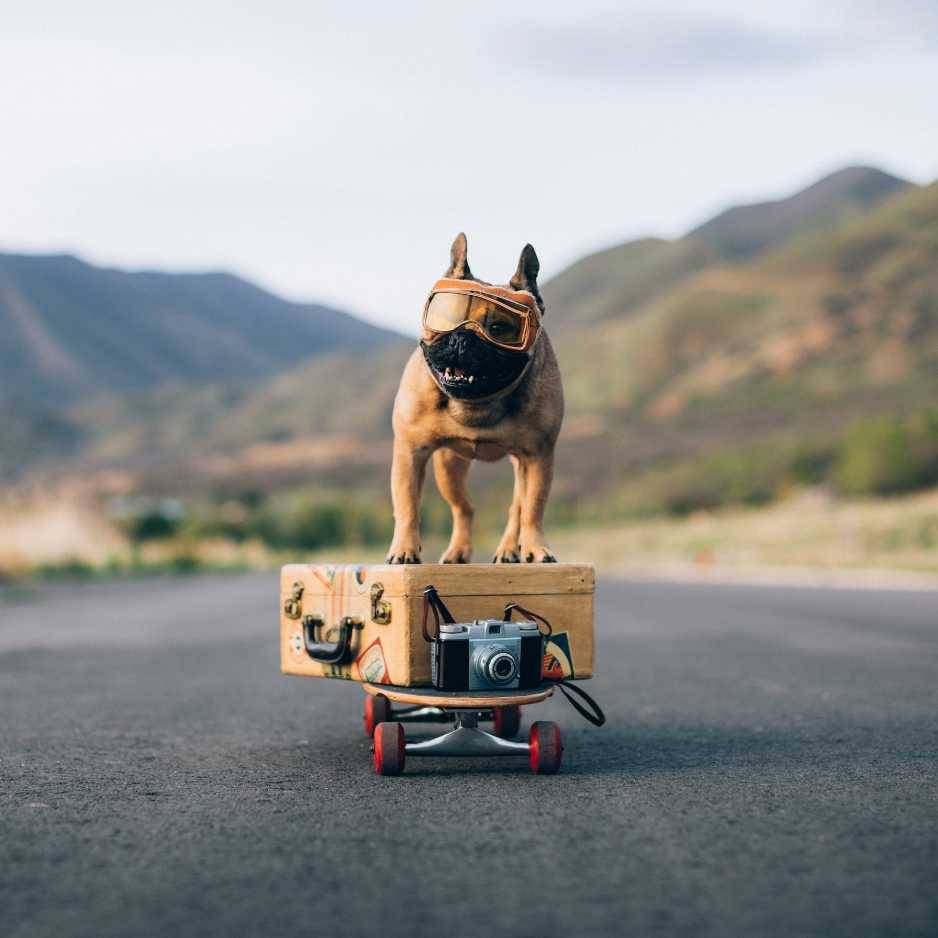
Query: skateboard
{"type": "Point", "coordinates": [384, 723]}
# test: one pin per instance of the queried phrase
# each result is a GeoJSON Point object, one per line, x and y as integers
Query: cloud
{"type": "Point", "coordinates": [911, 16]}
{"type": "Point", "coordinates": [657, 46]}
{"type": "Point", "coordinates": [673, 44]}
{"type": "Point", "coordinates": [910, 25]}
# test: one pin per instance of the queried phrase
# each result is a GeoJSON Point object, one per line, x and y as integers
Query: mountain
{"type": "Point", "coordinates": [856, 299]}
{"type": "Point", "coordinates": [71, 330]}
{"type": "Point", "coordinates": [746, 230]}
{"type": "Point", "coordinates": [701, 378]}
{"type": "Point", "coordinates": [757, 368]}
{"type": "Point", "coordinates": [344, 394]}
{"type": "Point", "coordinates": [611, 283]}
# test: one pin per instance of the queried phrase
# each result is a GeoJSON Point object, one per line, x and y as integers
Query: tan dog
{"type": "Point", "coordinates": [483, 384]}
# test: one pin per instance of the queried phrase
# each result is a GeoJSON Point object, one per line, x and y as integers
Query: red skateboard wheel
{"type": "Point", "coordinates": [389, 749]}
{"type": "Point", "coordinates": [546, 751]}
{"type": "Point", "coordinates": [507, 721]}
{"type": "Point", "coordinates": [377, 710]}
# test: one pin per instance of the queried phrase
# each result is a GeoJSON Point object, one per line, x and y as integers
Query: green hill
{"type": "Point", "coordinates": [614, 282]}
{"type": "Point", "coordinates": [744, 377]}
{"type": "Point", "coordinates": [825, 315]}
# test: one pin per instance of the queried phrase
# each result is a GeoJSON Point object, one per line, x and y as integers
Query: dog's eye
{"type": "Point", "coordinates": [502, 326]}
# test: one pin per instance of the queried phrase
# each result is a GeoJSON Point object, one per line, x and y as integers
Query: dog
{"type": "Point", "coordinates": [483, 383]}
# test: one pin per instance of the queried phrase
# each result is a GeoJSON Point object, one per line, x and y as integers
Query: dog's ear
{"type": "Point", "coordinates": [528, 268]}
{"type": "Point", "coordinates": [458, 265]}
{"type": "Point", "coordinates": [525, 277]}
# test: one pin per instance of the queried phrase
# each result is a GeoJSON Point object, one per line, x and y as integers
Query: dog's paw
{"type": "Point", "coordinates": [406, 557]}
{"type": "Point", "coordinates": [538, 554]}
{"type": "Point", "coordinates": [457, 553]}
{"type": "Point", "coordinates": [403, 554]}
{"type": "Point", "coordinates": [506, 555]}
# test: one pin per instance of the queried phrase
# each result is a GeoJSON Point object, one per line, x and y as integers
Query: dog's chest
{"type": "Point", "coordinates": [478, 449]}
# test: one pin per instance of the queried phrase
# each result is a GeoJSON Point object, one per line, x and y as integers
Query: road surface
{"type": "Point", "coordinates": [770, 767]}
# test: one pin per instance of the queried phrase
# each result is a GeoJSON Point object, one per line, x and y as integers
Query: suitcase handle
{"type": "Point", "coordinates": [330, 652]}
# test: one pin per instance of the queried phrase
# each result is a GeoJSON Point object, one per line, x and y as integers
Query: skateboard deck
{"type": "Point", "coordinates": [431, 697]}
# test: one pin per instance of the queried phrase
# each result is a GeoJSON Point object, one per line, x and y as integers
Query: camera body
{"type": "Point", "coordinates": [488, 654]}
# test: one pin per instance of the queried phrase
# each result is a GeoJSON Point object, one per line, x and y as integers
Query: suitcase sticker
{"type": "Point", "coordinates": [371, 664]}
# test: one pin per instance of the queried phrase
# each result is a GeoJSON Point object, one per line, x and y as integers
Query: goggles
{"type": "Point", "coordinates": [507, 318]}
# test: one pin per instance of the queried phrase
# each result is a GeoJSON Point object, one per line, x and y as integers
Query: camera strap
{"type": "Point", "coordinates": [511, 607]}
{"type": "Point", "coordinates": [594, 715]}
{"type": "Point", "coordinates": [432, 601]}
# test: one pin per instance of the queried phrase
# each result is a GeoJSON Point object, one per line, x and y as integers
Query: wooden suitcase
{"type": "Point", "coordinates": [365, 621]}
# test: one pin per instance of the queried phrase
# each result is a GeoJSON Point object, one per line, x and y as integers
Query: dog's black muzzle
{"type": "Point", "coordinates": [465, 366]}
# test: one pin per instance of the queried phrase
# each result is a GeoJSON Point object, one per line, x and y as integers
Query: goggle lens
{"type": "Point", "coordinates": [448, 311]}
{"type": "Point", "coordinates": [500, 325]}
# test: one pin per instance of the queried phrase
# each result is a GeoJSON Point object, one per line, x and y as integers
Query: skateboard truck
{"type": "Point", "coordinates": [385, 725]}
{"type": "Point", "coordinates": [466, 739]}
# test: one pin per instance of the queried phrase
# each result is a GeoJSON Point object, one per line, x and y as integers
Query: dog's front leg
{"type": "Point", "coordinates": [507, 550]}
{"type": "Point", "coordinates": [408, 468]}
{"type": "Point", "coordinates": [450, 470]}
{"type": "Point", "coordinates": [537, 471]}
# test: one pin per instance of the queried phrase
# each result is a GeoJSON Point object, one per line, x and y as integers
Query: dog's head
{"type": "Point", "coordinates": [464, 364]}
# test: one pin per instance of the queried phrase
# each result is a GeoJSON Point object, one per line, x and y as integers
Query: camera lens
{"type": "Point", "coordinates": [503, 668]}
{"type": "Point", "coordinates": [500, 668]}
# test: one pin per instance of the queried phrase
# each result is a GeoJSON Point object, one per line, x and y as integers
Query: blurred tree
{"type": "Point", "coordinates": [876, 459]}
{"type": "Point", "coordinates": [152, 526]}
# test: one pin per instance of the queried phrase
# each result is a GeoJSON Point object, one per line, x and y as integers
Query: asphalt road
{"type": "Point", "coordinates": [770, 767]}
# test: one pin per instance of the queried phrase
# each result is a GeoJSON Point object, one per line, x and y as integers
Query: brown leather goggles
{"type": "Point", "coordinates": [507, 318]}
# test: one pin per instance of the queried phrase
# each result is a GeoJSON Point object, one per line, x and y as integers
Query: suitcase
{"type": "Point", "coordinates": [363, 623]}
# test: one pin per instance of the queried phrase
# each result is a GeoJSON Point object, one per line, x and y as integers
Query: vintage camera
{"type": "Point", "coordinates": [488, 654]}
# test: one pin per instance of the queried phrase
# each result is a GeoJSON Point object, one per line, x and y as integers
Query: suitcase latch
{"type": "Point", "coordinates": [293, 607]}
{"type": "Point", "coordinates": [380, 608]}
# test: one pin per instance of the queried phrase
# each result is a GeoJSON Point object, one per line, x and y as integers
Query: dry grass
{"type": "Point", "coordinates": [37, 532]}
{"type": "Point", "coordinates": [809, 536]}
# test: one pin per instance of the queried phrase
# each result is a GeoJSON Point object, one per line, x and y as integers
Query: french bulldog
{"type": "Point", "coordinates": [483, 383]}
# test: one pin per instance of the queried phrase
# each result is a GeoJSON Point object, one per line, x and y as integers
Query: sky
{"type": "Point", "coordinates": [330, 152]}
